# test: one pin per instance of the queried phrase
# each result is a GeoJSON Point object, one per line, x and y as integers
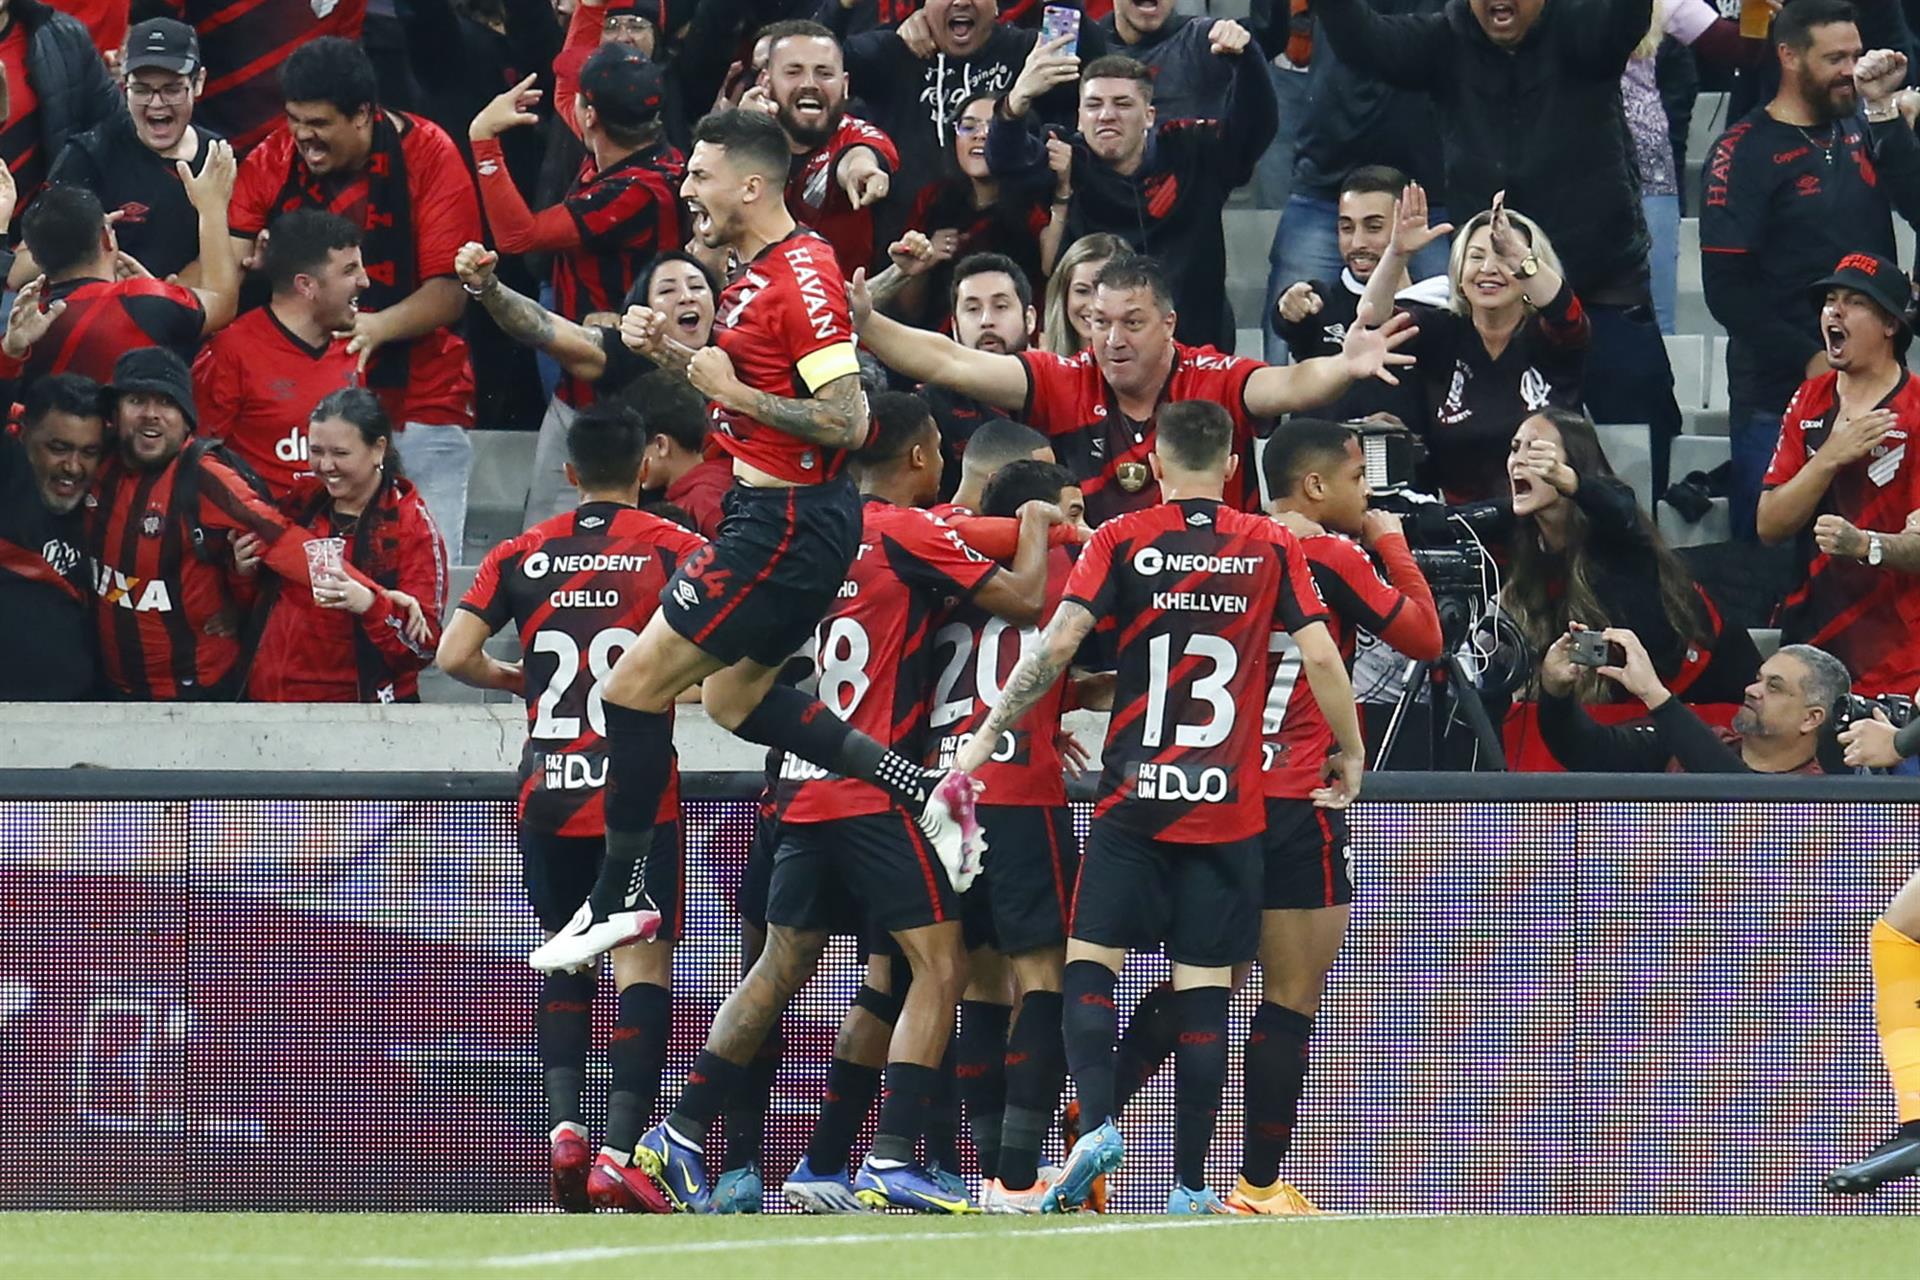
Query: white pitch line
{"type": "Point", "coordinates": [565, 1257]}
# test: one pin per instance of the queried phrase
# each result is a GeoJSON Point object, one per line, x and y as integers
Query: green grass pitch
{"type": "Point", "coordinates": [130, 1246]}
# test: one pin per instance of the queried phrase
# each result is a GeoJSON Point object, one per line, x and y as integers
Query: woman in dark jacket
{"type": "Point", "coordinates": [341, 641]}
{"type": "Point", "coordinates": [1512, 341]}
{"type": "Point", "coordinates": [1585, 552]}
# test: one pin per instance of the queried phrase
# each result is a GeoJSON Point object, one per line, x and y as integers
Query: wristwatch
{"type": "Point", "coordinates": [1876, 549]}
{"type": "Point", "coordinates": [1529, 267]}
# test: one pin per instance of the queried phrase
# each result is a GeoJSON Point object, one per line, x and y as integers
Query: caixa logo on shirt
{"type": "Point", "coordinates": [1173, 782]}
{"type": "Point", "coordinates": [142, 595]}
{"type": "Point", "coordinates": [573, 773]}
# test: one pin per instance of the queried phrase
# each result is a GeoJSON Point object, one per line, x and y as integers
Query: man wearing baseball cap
{"type": "Point", "coordinates": [622, 209]}
{"type": "Point", "coordinates": [128, 160]}
{"type": "Point", "coordinates": [1843, 480]}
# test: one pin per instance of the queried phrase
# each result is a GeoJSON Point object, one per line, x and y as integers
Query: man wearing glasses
{"type": "Point", "coordinates": [129, 160]}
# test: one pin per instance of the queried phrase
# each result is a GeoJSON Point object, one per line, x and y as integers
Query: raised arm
{"type": "Point", "coordinates": [576, 348]}
{"type": "Point", "coordinates": [1412, 51]}
{"type": "Point", "coordinates": [1018, 593]}
{"type": "Point", "coordinates": [210, 192]}
{"type": "Point", "coordinates": [1411, 234]}
{"type": "Point", "coordinates": [1367, 352]}
{"type": "Point", "coordinates": [1032, 677]}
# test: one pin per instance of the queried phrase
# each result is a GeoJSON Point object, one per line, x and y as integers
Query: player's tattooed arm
{"type": "Point", "coordinates": [1032, 677]}
{"type": "Point", "coordinates": [835, 418]}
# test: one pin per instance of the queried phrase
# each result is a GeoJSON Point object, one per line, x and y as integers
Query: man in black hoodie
{"type": "Point", "coordinates": [1527, 95]}
{"type": "Point", "coordinates": [915, 97]}
{"type": "Point", "coordinates": [1162, 188]}
{"type": "Point", "coordinates": [66, 91]}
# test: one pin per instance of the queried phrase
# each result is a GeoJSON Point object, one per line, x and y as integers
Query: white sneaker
{"type": "Point", "coordinates": [995, 1198]}
{"type": "Point", "coordinates": [953, 828]}
{"type": "Point", "coordinates": [585, 938]}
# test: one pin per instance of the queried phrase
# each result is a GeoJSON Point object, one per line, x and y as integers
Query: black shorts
{"type": "Point", "coordinates": [1306, 856]}
{"type": "Point", "coordinates": [559, 871]}
{"type": "Point", "coordinates": [875, 869]}
{"type": "Point", "coordinates": [761, 586]}
{"type": "Point", "coordinates": [759, 873]}
{"type": "Point", "coordinates": [1020, 901]}
{"type": "Point", "coordinates": [1136, 892]}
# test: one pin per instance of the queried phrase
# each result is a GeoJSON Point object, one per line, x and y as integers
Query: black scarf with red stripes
{"type": "Point", "coordinates": [386, 244]}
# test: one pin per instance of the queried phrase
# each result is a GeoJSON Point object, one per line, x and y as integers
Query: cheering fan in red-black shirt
{"type": "Point", "coordinates": [171, 603]}
{"type": "Point", "coordinates": [580, 587]}
{"type": "Point", "coordinates": [401, 180]}
{"type": "Point", "coordinates": [1100, 406]}
{"type": "Point", "coordinates": [784, 381]}
{"type": "Point", "coordinates": [1844, 466]}
{"type": "Point", "coordinates": [842, 166]}
{"type": "Point", "coordinates": [1192, 588]}
{"type": "Point", "coordinates": [622, 208]}
{"type": "Point", "coordinates": [259, 379]}
{"type": "Point", "coordinates": [99, 306]}
{"type": "Point", "coordinates": [1316, 472]}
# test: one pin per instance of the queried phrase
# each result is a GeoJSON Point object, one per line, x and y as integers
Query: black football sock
{"type": "Point", "coordinates": [980, 1070]}
{"type": "Point", "coordinates": [639, 763]}
{"type": "Point", "coordinates": [911, 1089]}
{"type": "Point", "coordinates": [562, 1028]}
{"type": "Point", "coordinates": [1036, 1073]}
{"type": "Point", "coordinates": [709, 1084]}
{"type": "Point", "coordinates": [797, 722]}
{"type": "Point", "coordinates": [638, 1054]}
{"type": "Point", "coordinates": [942, 1125]}
{"type": "Point", "coordinates": [851, 1089]}
{"type": "Point", "coordinates": [1152, 1032]}
{"type": "Point", "coordinates": [1276, 1069]}
{"type": "Point", "coordinates": [1201, 1062]}
{"type": "Point", "coordinates": [1089, 1025]}
{"type": "Point", "coordinates": [747, 1108]}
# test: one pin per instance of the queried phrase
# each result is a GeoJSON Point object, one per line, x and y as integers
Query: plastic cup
{"type": "Point", "coordinates": [326, 559]}
{"type": "Point", "coordinates": [1755, 17]}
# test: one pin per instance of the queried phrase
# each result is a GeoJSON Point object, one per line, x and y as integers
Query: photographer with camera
{"type": "Point", "coordinates": [1843, 481]}
{"type": "Point", "coordinates": [1584, 549]}
{"type": "Point", "coordinates": [1777, 730]}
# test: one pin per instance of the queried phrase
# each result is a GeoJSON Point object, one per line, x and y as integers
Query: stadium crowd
{"type": "Point", "coordinates": [278, 268]}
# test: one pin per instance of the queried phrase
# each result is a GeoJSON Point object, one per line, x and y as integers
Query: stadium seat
{"type": "Point", "coordinates": [1249, 234]}
{"type": "Point", "coordinates": [497, 491]}
{"type": "Point", "coordinates": [1687, 353]}
{"type": "Point", "coordinates": [1629, 449]}
{"type": "Point", "coordinates": [1715, 526]}
{"type": "Point", "coordinates": [1765, 639]}
{"type": "Point", "coordinates": [1717, 373]}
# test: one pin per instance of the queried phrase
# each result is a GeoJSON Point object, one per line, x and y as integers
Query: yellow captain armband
{"type": "Point", "coordinates": [823, 366]}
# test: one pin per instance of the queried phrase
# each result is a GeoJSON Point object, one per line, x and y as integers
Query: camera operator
{"type": "Point", "coordinates": [1843, 481]}
{"type": "Point", "coordinates": [1776, 731]}
{"type": "Point", "coordinates": [1584, 550]}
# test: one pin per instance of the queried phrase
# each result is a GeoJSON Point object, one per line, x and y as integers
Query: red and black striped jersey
{"type": "Point", "coordinates": [874, 649]}
{"type": "Point", "coordinates": [244, 43]}
{"type": "Point", "coordinates": [1297, 737]}
{"type": "Point", "coordinates": [107, 317]}
{"type": "Point", "coordinates": [784, 323]}
{"type": "Point", "coordinates": [626, 213]}
{"type": "Point", "coordinates": [816, 199]}
{"type": "Point", "coordinates": [170, 616]}
{"type": "Point", "coordinates": [22, 145]}
{"type": "Point", "coordinates": [1069, 400]}
{"type": "Point", "coordinates": [1863, 615]}
{"type": "Point", "coordinates": [974, 654]}
{"type": "Point", "coordinates": [1191, 590]}
{"type": "Point", "coordinates": [581, 587]}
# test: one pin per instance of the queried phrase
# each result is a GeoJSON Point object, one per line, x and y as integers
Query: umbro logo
{"type": "Point", "coordinates": [592, 522]}
{"type": "Point", "coordinates": [1199, 518]}
{"type": "Point", "coordinates": [685, 594]}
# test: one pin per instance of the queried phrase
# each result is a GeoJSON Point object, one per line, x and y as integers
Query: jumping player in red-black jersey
{"type": "Point", "coordinates": [1317, 473]}
{"type": "Point", "coordinates": [1101, 405]}
{"type": "Point", "coordinates": [1192, 588]}
{"type": "Point", "coordinates": [579, 587]}
{"type": "Point", "coordinates": [784, 383]}
{"type": "Point", "coordinates": [845, 839]}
